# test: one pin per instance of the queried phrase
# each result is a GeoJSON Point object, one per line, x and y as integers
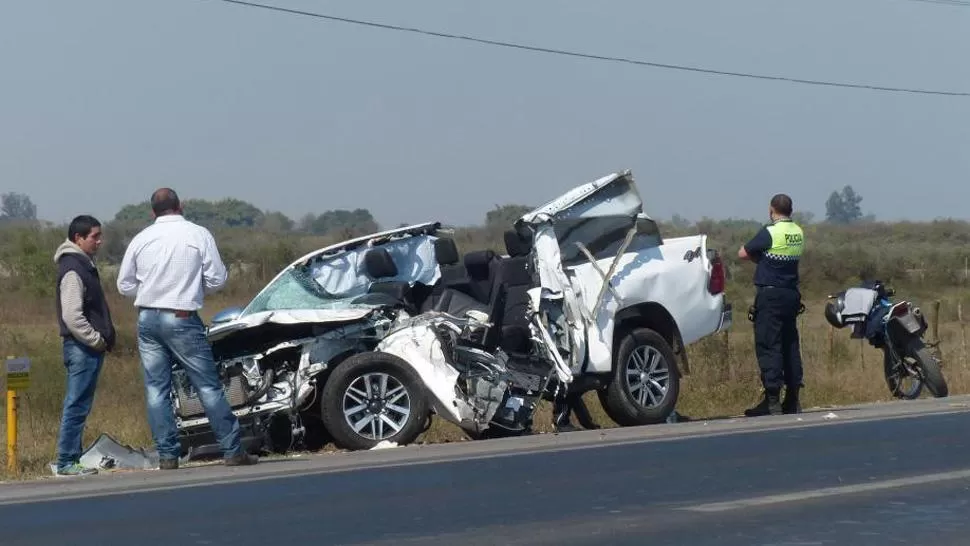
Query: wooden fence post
{"type": "Point", "coordinates": [831, 343]}
{"type": "Point", "coordinates": [963, 332]}
{"type": "Point", "coordinates": [936, 328]}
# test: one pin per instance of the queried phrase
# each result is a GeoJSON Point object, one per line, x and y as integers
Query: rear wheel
{"type": "Point", "coordinates": [371, 398]}
{"type": "Point", "coordinates": [901, 383]}
{"type": "Point", "coordinates": [646, 382]}
{"type": "Point", "coordinates": [929, 368]}
{"type": "Point", "coordinates": [907, 386]}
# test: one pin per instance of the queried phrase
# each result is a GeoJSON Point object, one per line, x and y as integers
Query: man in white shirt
{"type": "Point", "coordinates": [168, 268]}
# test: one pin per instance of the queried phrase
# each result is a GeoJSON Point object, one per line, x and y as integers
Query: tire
{"type": "Point", "coordinates": [620, 402]}
{"type": "Point", "coordinates": [929, 367]}
{"type": "Point", "coordinates": [356, 372]}
{"type": "Point", "coordinates": [894, 380]}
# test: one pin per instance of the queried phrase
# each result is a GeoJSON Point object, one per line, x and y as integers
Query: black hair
{"type": "Point", "coordinates": [782, 204]}
{"type": "Point", "coordinates": [82, 225]}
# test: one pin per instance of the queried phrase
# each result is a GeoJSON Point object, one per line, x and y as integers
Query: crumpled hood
{"type": "Point", "coordinates": [288, 316]}
{"type": "Point", "coordinates": [67, 247]}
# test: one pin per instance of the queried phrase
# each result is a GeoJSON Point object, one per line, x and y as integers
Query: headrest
{"type": "Point", "coordinates": [516, 245]}
{"type": "Point", "coordinates": [378, 264]}
{"type": "Point", "coordinates": [477, 263]}
{"type": "Point", "coordinates": [446, 251]}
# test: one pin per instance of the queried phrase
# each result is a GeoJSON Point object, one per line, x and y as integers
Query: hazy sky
{"type": "Point", "coordinates": [103, 101]}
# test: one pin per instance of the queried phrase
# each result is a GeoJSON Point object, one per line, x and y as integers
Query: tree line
{"type": "Point", "coordinates": [842, 207]}
{"type": "Point", "coordinates": [842, 249]}
{"type": "Point", "coordinates": [232, 213]}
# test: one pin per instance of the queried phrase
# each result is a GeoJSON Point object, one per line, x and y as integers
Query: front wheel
{"type": "Point", "coordinates": [371, 398]}
{"type": "Point", "coordinates": [646, 382]}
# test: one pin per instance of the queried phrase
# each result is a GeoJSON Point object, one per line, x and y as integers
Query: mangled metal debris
{"type": "Point", "coordinates": [107, 454]}
{"type": "Point", "coordinates": [366, 339]}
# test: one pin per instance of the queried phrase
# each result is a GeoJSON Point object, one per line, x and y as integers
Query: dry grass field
{"type": "Point", "coordinates": [723, 382]}
{"type": "Point", "coordinates": [927, 262]}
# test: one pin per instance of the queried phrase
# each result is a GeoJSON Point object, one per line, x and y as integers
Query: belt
{"type": "Point", "coordinates": [760, 287]}
{"type": "Point", "coordinates": [180, 313]}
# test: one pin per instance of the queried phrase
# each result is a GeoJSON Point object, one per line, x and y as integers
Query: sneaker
{"type": "Point", "coordinates": [75, 469]}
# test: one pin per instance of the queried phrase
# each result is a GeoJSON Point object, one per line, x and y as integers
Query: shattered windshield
{"type": "Point", "coordinates": [295, 289]}
{"type": "Point", "coordinates": [335, 281]}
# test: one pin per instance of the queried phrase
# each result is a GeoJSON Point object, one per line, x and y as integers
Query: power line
{"type": "Point", "coordinates": [597, 57]}
{"type": "Point", "coordinates": [945, 2]}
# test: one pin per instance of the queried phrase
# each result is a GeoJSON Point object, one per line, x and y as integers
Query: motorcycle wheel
{"type": "Point", "coordinates": [398, 401]}
{"type": "Point", "coordinates": [895, 375]}
{"type": "Point", "coordinates": [929, 367]}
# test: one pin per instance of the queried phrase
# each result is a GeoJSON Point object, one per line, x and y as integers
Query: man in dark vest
{"type": "Point", "coordinates": [87, 333]}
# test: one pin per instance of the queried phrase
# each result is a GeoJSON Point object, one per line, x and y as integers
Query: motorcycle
{"type": "Point", "coordinates": [897, 328]}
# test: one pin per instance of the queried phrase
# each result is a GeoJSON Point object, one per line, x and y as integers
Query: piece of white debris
{"type": "Point", "coordinates": [830, 415]}
{"type": "Point", "coordinates": [384, 444]}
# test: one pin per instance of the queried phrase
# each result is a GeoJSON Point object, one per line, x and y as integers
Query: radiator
{"type": "Point", "coordinates": [191, 406]}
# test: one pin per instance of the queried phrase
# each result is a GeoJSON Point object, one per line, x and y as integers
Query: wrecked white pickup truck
{"type": "Point", "coordinates": [372, 336]}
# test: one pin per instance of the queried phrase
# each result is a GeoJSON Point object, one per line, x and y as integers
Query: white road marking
{"type": "Point", "coordinates": [829, 492]}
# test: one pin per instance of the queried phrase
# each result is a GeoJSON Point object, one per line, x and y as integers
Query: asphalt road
{"type": "Point", "coordinates": [891, 474]}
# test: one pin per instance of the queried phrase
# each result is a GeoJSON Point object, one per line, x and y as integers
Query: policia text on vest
{"type": "Point", "coordinates": [777, 250]}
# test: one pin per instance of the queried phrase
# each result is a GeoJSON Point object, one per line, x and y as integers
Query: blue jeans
{"type": "Point", "coordinates": [164, 338]}
{"type": "Point", "coordinates": [83, 366]}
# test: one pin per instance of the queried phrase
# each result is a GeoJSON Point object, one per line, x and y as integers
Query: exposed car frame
{"type": "Point", "coordinates": [599, 301]}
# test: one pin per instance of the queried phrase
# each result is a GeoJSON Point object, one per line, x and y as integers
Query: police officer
{"type": "Point", "coordinates": [777, 249]}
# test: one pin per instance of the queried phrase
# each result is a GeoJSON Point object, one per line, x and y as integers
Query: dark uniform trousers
{"type": "Point", "coordinates": [776, 337]}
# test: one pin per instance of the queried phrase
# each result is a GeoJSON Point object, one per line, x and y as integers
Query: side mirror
{"type": "Point", "coordinates": [227, 315]}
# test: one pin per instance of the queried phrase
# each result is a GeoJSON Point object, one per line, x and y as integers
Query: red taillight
{"type": "Point", "coordinates": [900, 309]}
{"type": "Point", "coordinates": [716, 285]}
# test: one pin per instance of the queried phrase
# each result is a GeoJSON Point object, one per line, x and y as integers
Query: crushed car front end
{"type": "Point", "coordinates": [274, 354]}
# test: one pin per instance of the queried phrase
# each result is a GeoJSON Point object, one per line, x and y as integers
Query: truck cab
{"type": "Point", "coordinates": [626, 302]}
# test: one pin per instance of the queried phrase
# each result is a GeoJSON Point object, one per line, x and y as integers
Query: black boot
{"type": "Point", "coordinates": [770, 405]}
{"type": "Point", "coordinates": [578, 406]}
{"type": "Point", "coordinates": [791, 404]}
{"type": "Point", "coordinates": [560, 415]}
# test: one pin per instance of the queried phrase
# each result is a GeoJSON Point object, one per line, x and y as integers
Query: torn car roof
{"type": "Point", "coordinates": [615, 194]}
